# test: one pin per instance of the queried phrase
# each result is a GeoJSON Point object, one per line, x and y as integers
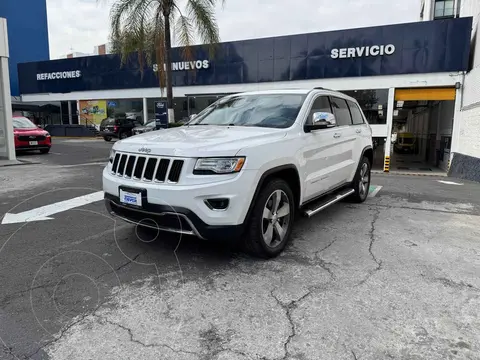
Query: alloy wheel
{"type": "Point", "coordinates": [276, 218]}
{"type": "Point", "coordinates": [364, 180]}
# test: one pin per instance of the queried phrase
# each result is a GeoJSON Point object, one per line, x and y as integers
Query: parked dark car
{"type": "Point", "coordinates": [119, 127]}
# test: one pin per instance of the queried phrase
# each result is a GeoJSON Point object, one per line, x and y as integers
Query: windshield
{"type": "Point", "coordinates": [107, 121]}
{"type": "Point", "coordinates": [406, 141]}
{"type": "Point", "coordinates": [275, 111]}
{"type": "Point", "coordinates": [151, 123]}
{"type": "Point", "coordinates": [23, 123]}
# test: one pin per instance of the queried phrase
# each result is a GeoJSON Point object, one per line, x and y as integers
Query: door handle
{"type": "Point", "coordinates": [337, 135]}
{"type": "Point", "coordinates": [359, 131]}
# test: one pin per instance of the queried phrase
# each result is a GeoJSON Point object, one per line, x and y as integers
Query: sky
{"type": "Point", "coordinates": [79, 25]}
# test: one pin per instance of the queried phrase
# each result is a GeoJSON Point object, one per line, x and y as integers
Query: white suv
{"type": "Point", "coordinates": [244, 167]}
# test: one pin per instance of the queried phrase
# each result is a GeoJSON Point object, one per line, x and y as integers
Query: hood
{"type": "Point", "coordinates": [199, 140]}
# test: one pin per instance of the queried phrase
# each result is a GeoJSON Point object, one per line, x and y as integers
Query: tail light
{"type": "Point", "coordinates": [115, 128]}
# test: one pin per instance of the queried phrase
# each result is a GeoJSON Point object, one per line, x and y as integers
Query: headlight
{"type": "Point", "coordinates": [205, 166]}
{"type": "Point", "coordinates": [47, 134]}
{"type": "Point", "coordinates": [111, 156]}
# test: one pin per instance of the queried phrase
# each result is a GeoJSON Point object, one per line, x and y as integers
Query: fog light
{"type": "Point", "coordinates": [217, 204]}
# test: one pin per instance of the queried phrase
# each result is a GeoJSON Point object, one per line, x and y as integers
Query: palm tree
{"type": "Point", "coordinates": [146, 27]}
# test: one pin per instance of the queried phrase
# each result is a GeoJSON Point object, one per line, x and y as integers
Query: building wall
{"type": "Point", "coordinates": [27, 34]}
{"type": "Point", "coordinates": [466, 157]}
{"type": "Point", "coordinates": [418, 48]}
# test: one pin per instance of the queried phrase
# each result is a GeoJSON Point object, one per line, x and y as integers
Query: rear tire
{"type": "Point", "coordinates": [271, 220]}
{"type": "Point", "coordinates": [44, 151]}
{"type": "Point", "coordinates": [107, 138]}
{"type": "Point", "coordinates": [361, 181]}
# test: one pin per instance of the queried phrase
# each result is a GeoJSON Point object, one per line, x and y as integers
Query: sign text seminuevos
{"type": "Point", "coordinates": [187, 65]}
{"type": "Point", "coordinates": [362, 51]}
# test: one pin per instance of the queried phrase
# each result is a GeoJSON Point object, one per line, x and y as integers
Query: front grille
{"type": "Point", "coordinates": [147, 168]}
{"type": "Point", "coordinates": [31, 138]}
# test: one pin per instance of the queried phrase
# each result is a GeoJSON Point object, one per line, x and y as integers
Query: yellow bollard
{"type": "Point", "coordinates": [386, 165]}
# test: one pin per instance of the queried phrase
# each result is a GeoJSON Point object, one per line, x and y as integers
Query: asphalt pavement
{"type": "Point", "coordinates": [394, 278]}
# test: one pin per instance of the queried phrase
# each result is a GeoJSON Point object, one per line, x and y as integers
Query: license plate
{"type": "Point", "coordinates": [130, 197]}
{"type": "Point", "coordinates": [33, 142]}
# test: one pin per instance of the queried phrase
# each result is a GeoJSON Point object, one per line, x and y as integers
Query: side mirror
{"type": "Point", "coordinates": [193, 116]}
{"type": "Point", "coordinates": [321, 120]}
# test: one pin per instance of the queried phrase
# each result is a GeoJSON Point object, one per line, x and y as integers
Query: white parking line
{"type": "Point", "coordinates": [375, 191]}
{"type": "Point", "coordinates": [449, 182]}
{"type": "Point", "coordinates": [44, 212]}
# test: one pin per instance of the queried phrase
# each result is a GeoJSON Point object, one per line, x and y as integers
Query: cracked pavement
{"type": "Point", "coordinates": [394, 278]}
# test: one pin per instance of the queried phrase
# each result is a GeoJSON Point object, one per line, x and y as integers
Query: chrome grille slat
{"type": "Point", "coordinates": [139, 167]}
{"type": "Point", "coordinates": [115, 163]}
{"type": "Point", "coordinates": [129, 171]}
{"type": "Point", "coordinates": [161, 174]}
{"type": "Point", "coordinates": [150, 167]}
{"type": "Point", "coordinates": [156, 168]}
{"type": "Point", "coordinates": [168, 171]}
{"type": "Point", "coordinates": [153, 168]}
{"type": "Point", "coordinates": [144, 167]}
{"type": "Point", "coordinates": [175, 171]}
{"type": "Point", "coordinates": [122, 164]}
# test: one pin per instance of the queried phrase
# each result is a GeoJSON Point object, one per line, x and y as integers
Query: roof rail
{"type": "Point", "coordinates": [321, 88]}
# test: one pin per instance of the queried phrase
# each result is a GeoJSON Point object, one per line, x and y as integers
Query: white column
{"type": "Point", "coordinates": [69, 112]}
{"type": "Point", "coordinates": [390, 107]}
{"type": "Point", "coordinates": [145, 111]}
{"type": "Point", "coordinates": [457, 121]}
{"type": "Point", "coordinates": [79, 112]}
{"type": "Point", "coordinates": [7, 145]}
{"type": "Point", "coordinates": [427, 10]}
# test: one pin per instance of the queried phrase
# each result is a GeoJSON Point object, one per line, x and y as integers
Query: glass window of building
{"type": "Point", "coordinates": [444, 9]}
{"type": "Point", "coordinates": [131, 108]}
{"type": "Point", "coordinates": [180, 108]}
{"type": "Point", "coordinates": [373, 103]}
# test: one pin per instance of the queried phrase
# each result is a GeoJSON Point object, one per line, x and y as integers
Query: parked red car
{"type": "Point", "coordinates": [29, 137]}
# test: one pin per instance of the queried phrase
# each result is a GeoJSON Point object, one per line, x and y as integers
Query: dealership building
{"type": "Point", "coordinates": [421, 79]}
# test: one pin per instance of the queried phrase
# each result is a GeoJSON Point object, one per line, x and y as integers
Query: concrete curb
{"type": "Point", "coordinates": [18, 163]}
{"type": "Point", "coordinates": [77, 137]}
{"type": "Point", "coordinates": [409, 173]}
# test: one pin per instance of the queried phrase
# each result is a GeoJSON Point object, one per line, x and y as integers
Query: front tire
{"type": "Point", "coordinates": [123, 135]}
{"type": "Point", "coordinates": [361, 182]}
{"type": "Point", "coordinates": [271, 221]}
{"type": "Point", "coordinates": [107, 138]}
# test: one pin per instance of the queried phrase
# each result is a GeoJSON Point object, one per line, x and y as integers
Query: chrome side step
{"type": "Point", "coordinates": [315, 208]}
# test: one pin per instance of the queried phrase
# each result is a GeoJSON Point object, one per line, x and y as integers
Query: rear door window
{"type": "Point", "coordinates": [341, 111]}
{"type": "Point", "coordinates": [108, 121]}
{"type": "Point", "coordinates": [357, 117]}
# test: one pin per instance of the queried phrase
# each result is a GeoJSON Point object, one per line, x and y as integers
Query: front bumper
{"type": "Point", "coordinates": [187, 199]}
{"type": "Point", "coordinates": [171, 219]}
{"type": "Point", "coordinates": [25, 145]}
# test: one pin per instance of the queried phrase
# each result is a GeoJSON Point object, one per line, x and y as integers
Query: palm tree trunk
{"type": "Point", "coordinates": [168, 65]}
